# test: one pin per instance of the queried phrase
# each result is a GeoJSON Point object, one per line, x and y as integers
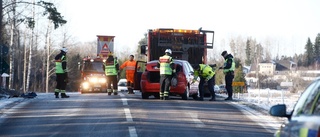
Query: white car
{"type": "Point", "coordinates": [122, 85]}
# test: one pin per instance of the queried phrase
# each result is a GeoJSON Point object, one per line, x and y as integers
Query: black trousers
{"type": "Point", "coordinates": [210, 82]}
{"type": "Point", "coordinates": [228, 79]}
{"type": "Point", "coordinates": [112, 79]}
{"type": "Point", "coordinates": [61, 83]}
{"type": "Point", "coordinates": [165, 82]}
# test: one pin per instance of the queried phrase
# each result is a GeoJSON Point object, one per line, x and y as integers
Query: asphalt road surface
{"type": "Point", "coordinates": [126, 115]}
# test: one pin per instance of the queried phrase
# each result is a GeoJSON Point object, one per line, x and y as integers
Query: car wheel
{"type": "Point", "coordinates": [185, 95]}
{"type": "Point", "coordinates": [144, 95]}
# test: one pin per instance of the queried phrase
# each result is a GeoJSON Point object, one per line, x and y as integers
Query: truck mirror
{"type": "Point", "coordinates": [143, 49]}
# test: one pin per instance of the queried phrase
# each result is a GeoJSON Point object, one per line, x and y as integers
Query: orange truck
{"type": "Point", "coordinates": [93, 78]}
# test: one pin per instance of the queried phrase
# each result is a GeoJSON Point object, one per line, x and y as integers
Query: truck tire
{"type": "Point", "coordinates": [185, 95]}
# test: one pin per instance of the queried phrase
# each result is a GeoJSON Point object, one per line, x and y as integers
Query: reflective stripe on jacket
{"type": "Point", "coordinates": [165, 62]}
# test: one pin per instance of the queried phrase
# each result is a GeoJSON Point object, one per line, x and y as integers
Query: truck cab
{"type": "Point", "coordinates": [93, 78]}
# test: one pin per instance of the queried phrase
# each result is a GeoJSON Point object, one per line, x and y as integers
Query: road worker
{"type": "Point", "coordinates": [206, 74]}
{"type": "Point", "coordinates": [129, 65]}
{"type": "Point", "coordinates": [61, 73]}
{"type": "Point", "coordinates": [111, 68]}
{"type": "Point", "coordinates": [167, 71]}
{"type": "Point", "coordinates": [228, 70]}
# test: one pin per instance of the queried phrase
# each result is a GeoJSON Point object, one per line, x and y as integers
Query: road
{"type": "Point", "coordinates": [125, 115]}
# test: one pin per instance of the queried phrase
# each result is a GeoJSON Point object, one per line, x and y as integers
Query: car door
{"type": "Point", "coordinates": [305, 119]}
{"type": "Point", "coordinates": [139, 69]}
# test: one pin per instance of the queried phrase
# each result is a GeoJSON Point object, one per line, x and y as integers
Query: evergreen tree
{"type": "Point", "coordinates": [317, 48]}
{"type": "Point", "coordinates": [248, 53]}
{"type": "Point", "coordinates": [309, 53]}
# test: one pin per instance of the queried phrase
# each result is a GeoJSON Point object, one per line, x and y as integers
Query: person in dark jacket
{"type": "Point", "coordinates": [228, 70]}
{"type": "Point", "coordinates": [61, 73]}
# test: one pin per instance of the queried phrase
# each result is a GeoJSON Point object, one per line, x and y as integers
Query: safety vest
{"type": "Point", "coordinates": [165, 62]}
{"type": "Point", "coordinates": [129, 66]}
{"type": "Point", "coordinates": [59, 68]}
{"type": "Point", "coordinates": [205, 71]}
{"type": "Point", "coordinates": [232, 68]}
{"type": "Point", "coordinates": [110, 68]}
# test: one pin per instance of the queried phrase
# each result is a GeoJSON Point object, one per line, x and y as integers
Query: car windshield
{"type": "Point", "coordinates": [93, 66]}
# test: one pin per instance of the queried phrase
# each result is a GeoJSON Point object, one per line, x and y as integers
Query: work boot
{"type": "Point", "coordinates": [200, 99]}
{"type": "Point", "coordinates": [166, 98]}
{"type": "Point", "coordinates": [161, 98]}
{"type": "Point", "coordinates": [212, 99]}
{"type": "Point", "coordinates": [56, 94]}
{"type": "Point", "coordinates": [228, 98]}
{"type": "Point", "coordinates": [130, 91]}
{"type": "Point", "coordinates": [64, 95]}
{"type": "Point", "coordinates": [109, 92]}
{"type": "Point", "coordinates": [115, 93]}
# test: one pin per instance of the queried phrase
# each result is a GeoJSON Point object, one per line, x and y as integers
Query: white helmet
{"type": "Point", "coordinates": [64, 49]}
{"type": "Point", "coordinates": [168, 51]}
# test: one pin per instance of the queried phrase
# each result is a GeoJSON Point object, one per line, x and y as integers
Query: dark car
{"type": "Point", "coordinates": [304, 119]}
{"type": "Point", "coordinates": [150, 81]}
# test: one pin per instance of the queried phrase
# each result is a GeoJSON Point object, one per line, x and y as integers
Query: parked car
{"type": "Point", "coordinates": [122, 85]}
{"type": "Point", "coordinates": [216, 89]}
{"type": "Point", "coordinates": [304, 119]}
{"type": "Point", "coordinates": [150, 81]}
{"type": "Point", "coordinates": [222, 89]}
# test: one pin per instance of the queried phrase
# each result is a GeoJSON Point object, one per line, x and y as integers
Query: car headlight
{"type": "Point", "coordinates": [85, 85]}
{"type": "Point", "coordinates": [102, 80]}
{"type": "Point", "coordinates": [93, 80]}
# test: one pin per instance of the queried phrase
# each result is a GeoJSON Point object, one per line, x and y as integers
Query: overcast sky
{"type": "Point", "coordinates": [287, 23]}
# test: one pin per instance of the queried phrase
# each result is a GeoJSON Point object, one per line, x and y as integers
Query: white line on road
{"type": "Point", "coordinates": [128, 115]}
{"type": "Point", "coordinates": [195, 119]}
{"type": "Point", "coordinates": [132, 132]}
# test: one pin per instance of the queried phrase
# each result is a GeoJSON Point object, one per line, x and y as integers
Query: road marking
{"type": "Point", "coordinates": [128, 115]}
{"type": "Point", "coordinates": [123, 99]}
{"type": "Point", "coordinates": [195, 119]}
{"type": "Point", "coordinates": [132, 129]}
{"type": "Point", "coordinates": [132, 132]}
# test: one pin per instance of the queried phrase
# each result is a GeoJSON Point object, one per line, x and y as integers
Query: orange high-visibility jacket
{"type": "Point", "coordinates": [130, 68]}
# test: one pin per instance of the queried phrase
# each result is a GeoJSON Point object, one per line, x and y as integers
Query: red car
{"type": "Point", "coordinates": [150, 81]}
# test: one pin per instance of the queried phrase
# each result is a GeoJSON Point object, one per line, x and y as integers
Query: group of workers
{"type": "Point", "coordinates": [167, 72]}
{"type": "Point", "coordinates": [205, 72]}
{"type": "Point", "coordinates": [112, 68]}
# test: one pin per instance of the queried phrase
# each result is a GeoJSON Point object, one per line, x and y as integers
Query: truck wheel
{"type": "Point", "coordinates": [185, 95]}
{"type": "Point", "coordinates": [144, 95]}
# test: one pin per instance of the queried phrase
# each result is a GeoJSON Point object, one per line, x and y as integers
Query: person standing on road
{"type": "Point", "coordinates": [206, 74]}
{"type": "Point", "coordinates": [228, 70]}
{"type": "Point", "coordinates": [61, 73]}
{"type": "Point", "coordinates": [111, 68]}
{"type": "Point", "coordinates": [167, 71]}
{"type": "Point", "coordinates": [129, 65]}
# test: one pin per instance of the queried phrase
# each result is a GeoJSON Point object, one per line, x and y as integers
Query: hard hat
{"type": "Point", "coordinates": [174, 82]}
{"type": "Point", "coordinates": [110, 54]}
{"type": "Point", "coordinates": [168, 51]}
{"type": "Point", "coordinates": [64, 49]}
